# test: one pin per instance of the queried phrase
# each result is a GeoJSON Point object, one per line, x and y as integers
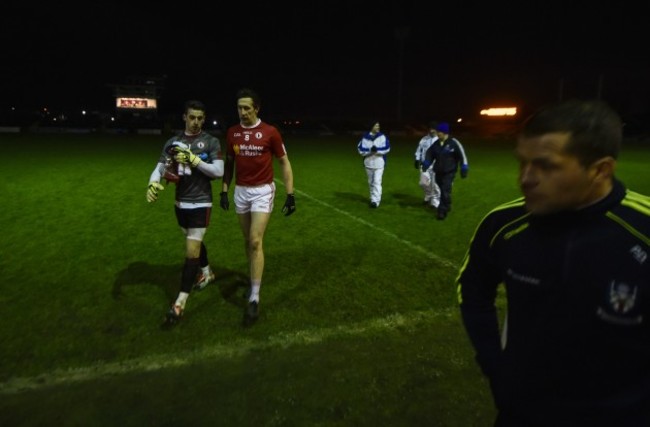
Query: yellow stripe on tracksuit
{"type": "Point", "coordinates": [639, 203]}
{"type": "Point", "coordinates": [513, 203]}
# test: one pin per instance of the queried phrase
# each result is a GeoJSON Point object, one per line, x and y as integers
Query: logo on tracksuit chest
{"type": "Point", "coordinates": [622, 297]}
{"type": "Point", "coordinates": [620, 305]}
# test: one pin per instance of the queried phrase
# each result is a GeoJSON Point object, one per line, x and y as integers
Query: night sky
{"type": "Point", "coordinates": [328, 59]}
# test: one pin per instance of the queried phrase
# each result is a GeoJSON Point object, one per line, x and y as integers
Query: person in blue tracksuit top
{"type": "Point", "coordinates": [446, 154]}
{"type": "Point", "coordinates": [572, 347]}
{"type": "Point", "coordinates": [374, 146]}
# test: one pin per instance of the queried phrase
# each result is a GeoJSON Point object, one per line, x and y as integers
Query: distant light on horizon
{"type": "Point", "coordinates": [123, 102]}
{"type": "Point", "coordinates": [499, 111]}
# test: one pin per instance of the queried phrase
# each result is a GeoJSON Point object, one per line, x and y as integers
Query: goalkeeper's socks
{"type": "Point", "coordinates": [255, 291]}
{"type": "Point", "coordinates": [190, 270]}
{"type": "Point", "coordinates": [182, 299]}
{"type": "Point", "coordinates": [203, 258]}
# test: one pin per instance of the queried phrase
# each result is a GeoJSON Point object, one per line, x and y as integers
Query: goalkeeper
{"type": "Point", "coordinates": [191, 160]}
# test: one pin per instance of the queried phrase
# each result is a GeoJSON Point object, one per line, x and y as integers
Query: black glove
{"type": "Point", "coordinates": [373, 149]}
{"type": "Point", "coordinates": [223, 200]}
{"type": "Point", "coordinates": [417, 164]}
{"type": "Point", "coordinates": [289, 205]}
{"type": "Point", "coordinates": [463, 171]}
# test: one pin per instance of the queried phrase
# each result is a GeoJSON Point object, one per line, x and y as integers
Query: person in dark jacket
{"type": "Point", "coordinates": [572, 348]}
{"type": "Point", "coordinates": [446, 154]}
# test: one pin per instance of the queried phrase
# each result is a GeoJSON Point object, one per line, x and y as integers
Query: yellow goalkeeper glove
{"type": "Point", "coordinates": [152, 191]}
{"type": "Point", "coordinates": [185, 156]}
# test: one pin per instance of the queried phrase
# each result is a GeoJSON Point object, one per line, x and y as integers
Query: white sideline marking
{"type": "Point", "coordinates": [232, 349]}
{"type": "Point", "coordinates": [442, 261]}
{"type": "Point", "coordinates": [238, 348]}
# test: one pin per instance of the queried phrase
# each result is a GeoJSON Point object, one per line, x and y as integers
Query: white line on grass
{"type": "Point", "coordinates": [442, 261]}
{"type": "Point", "coordinates": [238, 348]}
{"type": "Point", "coordinates": [232, 349]}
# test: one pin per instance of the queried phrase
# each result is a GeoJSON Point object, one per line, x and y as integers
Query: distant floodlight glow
{"type": "Point", "coordinates": [499, 111]}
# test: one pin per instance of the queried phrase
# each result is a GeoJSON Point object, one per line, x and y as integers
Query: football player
{"type": "Point", "coordinates": [197, 160]}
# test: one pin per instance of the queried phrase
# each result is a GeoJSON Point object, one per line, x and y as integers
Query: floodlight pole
{"type": "Point", "coordinates": [401, 33]}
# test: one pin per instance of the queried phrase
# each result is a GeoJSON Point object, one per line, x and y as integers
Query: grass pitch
{"type": "Point", "coordinates": [358, 319]}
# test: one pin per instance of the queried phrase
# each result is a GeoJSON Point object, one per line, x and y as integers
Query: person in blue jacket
{"type": "Point", "coordinates": [446, 154]}
{"type": "Point", "coordinates": [374, 146]}
{"type": "Point", "coordinates": [572, 347]}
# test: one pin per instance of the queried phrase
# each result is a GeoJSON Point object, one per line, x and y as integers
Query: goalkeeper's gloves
{"type": "Point", "coordinates": [152, 191]}
{"type": "Point", "coordinates": [417, 164]}
{"type": "Point", "coordinates": [289, 205]}
{"type": "Point", "coordinates": [185, 156]}
{"type": "Point", "coordinates": [373, 149]}
{"type": "Point", "coordinates": [223, 200]}
{"type": "Point", "coordinates": [463, 171]}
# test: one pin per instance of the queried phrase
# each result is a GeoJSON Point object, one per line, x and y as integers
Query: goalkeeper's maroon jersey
{"type": "Point", "coordinates": [253, 149]}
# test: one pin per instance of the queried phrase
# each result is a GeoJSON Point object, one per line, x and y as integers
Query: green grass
{"type": "Point", "coordinates": [359, 324]}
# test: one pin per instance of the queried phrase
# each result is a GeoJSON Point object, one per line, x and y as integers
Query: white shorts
{"type": "Point", "coordinates": [254, 199]}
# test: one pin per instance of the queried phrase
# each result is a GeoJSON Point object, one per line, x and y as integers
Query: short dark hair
{"type": "Point", "coordinates": [595, 129]}
{"type": "Point", "coordinates": [249, 93]}
{"type": "Point", "coordinates": [193, 104]}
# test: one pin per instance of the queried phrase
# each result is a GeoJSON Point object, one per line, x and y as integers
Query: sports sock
{"type": "Point", "coordinates": [182, 299]}
{"type": "Point", "coordinates": [255, 291]}
{"type": "Point", "coordinates": [203, 256]}
{"type": "Point", "coordinates": [190, 270]}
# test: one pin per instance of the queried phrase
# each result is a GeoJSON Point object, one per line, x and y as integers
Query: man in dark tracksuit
{"type": "Point", "coordinates": [573, 256]}
{"type": "Point", "coordinates": [446, 154]}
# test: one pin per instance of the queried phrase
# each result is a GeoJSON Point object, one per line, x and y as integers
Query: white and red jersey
{"type": "Point", "coordinates": [253, 149]}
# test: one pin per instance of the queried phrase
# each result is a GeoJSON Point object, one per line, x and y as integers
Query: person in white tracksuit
{"type": "Point", "coordinates": [374, 146]}
{"type": "Point", "coordinates": [427, 178]}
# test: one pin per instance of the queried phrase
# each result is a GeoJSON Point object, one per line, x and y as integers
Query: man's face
{"type": "Point", "coordinates": [247, 111]}
{"type": "Point", "coordinates": [194, 120]}
{"type": "Point", "coordinates": [552, 180]}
